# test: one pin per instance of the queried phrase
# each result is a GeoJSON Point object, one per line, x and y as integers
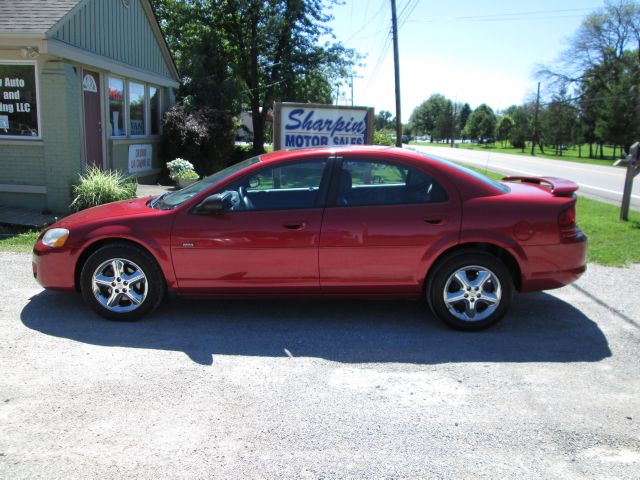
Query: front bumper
{"type": "Point", "coordinates": [53, 268]}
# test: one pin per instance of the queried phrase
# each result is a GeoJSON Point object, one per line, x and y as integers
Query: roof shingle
{"type": "Point", "coordinates": [32, 16]}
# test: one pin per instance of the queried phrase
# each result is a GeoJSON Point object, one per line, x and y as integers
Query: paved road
{"type": "Point", "coordinates": [281, 389]}
{"type": "Point", "coordinates": [597, 181]}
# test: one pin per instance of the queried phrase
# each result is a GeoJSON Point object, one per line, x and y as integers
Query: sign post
{"type": "Point", "coordinates": [633, 168]}
{"type": "Point", "coordinates": [305, 125]}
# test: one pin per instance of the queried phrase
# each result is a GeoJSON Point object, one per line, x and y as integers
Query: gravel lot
{"type": "Point", "coordinates": [282, 389]}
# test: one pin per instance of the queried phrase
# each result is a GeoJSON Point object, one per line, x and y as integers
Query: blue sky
{"type": "Point", "coordinates": [472, 51]}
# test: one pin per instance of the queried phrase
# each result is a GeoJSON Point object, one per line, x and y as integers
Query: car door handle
{"type": "Point", "coordinates": [434, 221]}
{"type": "Point", "coordinates": [295, 225]}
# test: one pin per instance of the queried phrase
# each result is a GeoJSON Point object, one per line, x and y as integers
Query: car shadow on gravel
{"type": "Point", "coordinates": [538, 328]}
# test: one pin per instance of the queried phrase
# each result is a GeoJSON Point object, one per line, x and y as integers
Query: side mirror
{"type": "Point", "coordinates": [213, 204]}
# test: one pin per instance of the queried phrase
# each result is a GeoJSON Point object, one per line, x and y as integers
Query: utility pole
{"type": "Point", "coordinates": [396, 64]}
{"type": "Point", "coordinates": [536, 132]}
{"type": "Point", "coordinates": [352, 90]}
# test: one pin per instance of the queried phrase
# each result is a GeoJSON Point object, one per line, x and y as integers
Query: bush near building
{"type": "Point", "coordinates": [203, 136]}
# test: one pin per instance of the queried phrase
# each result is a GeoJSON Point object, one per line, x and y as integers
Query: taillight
{"type": "Point", "coordinates": [567, 222]}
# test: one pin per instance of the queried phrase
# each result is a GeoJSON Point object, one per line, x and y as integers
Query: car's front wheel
{"type": "Point", "coordinates": [121, 282]}
{"type": "Point", "coordinates": [470, 291]}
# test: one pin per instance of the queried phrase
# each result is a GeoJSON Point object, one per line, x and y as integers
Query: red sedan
{"type": "Point", "coordinates": [364, 222]}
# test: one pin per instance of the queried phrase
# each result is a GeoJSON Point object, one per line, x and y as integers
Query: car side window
{"type": "Point", "coordinates": [367, 182]}
{"type": "Point", "coordinates": [290, 186]}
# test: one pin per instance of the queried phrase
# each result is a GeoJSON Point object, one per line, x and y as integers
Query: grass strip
{"type": "Point", "coordinates": [569, 155]}
{"type": "Point", "coordinates": [19, 242]}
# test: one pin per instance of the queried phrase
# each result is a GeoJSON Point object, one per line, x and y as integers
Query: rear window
{"type": "Point", "coordinates": [497, 185]}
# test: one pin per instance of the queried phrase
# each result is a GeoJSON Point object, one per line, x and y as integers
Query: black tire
{"type": "Point", "coordinates": [130, 261]}
{"type": "Point", "coordinates": [478, 309]}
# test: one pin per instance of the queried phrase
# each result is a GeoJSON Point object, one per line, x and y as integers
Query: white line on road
{"type": "Point", "coordinates": [606, 190]}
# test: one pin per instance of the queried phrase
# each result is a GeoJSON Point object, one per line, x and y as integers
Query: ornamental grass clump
{"type": "Point", "coordinates": [97, 187]}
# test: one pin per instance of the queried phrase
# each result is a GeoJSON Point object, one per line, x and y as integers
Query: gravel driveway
{"type": "Point", "coordinates": [281, 389]}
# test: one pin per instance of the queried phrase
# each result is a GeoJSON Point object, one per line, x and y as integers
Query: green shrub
{"type": "Point", "coordinates": [186, 175]}
{"type": "Point", "coordinates": [97, 187]}
{"type": "Point", "coordinates": [382, 137]}
{"type": "Point", "coordinates": [203, 136]}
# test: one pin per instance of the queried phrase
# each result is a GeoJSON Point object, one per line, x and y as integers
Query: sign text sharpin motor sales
{"type": "Point", "coordinates": [303, 126]}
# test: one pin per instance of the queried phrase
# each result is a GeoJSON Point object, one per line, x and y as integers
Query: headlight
{"type": "Point", "coordinates": [55, 237]}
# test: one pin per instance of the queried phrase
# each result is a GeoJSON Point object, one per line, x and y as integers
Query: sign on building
{"type": "Point", "coordinates": [305, 125]}
{"type": "Point", "coordinates": [18, 100]}
{"type": "Point", "coordinates": [140, 158]}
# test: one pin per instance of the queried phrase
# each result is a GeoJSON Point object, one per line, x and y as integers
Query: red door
{"type": "Point", "coordinates": [266, 242]}
{"type": "Point", "coordinates": [382, 233]}
{"type": "Point", "coordinates": [247, 252]}
{"type": "Point", "coordinates": [92, 118]}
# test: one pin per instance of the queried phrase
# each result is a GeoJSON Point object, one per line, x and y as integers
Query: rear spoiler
{"type": "Point", "coordinates": [559, 186]}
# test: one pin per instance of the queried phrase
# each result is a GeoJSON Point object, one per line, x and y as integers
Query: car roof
{"type": "Point", "coordinates": [279, 155]}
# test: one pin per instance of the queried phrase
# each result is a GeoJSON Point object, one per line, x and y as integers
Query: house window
{"type": "Point", "coordinates": [18, 101]}
{"type": "Point", "coordinates": [154, 101]}
{"type": "Point", "coordinates": [136, 109]}
{"type": "Point", "coordinates": [116, 107]}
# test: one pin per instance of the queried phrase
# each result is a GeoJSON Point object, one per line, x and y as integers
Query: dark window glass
{"type": "Point", "coordinates": [364, 182]}
{"type": "Point", "coordinates": [136, 109]}
{"type": "Point", "coordinates": [154, 101]}
{"type": "Point", "coordinates": [290, 186]}
{"type": "Point", "coordinates": [18, 102]}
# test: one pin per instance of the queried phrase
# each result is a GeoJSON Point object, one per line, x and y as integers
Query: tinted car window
{"type": "Point", "coordinates": [291, 186]}
{"type": "Point", "coordinates": [365, 182]}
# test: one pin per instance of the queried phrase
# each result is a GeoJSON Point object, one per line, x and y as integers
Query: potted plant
{"type": "Point", "coordinates": [181, 170]}
{"type": "Point", "coordinates": [186, 178]}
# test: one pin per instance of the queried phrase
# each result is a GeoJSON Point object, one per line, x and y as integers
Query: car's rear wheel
{"type": "Point", "coordinates": [470, 291]}
{"type": "Point", "coordinates": [122, 282]}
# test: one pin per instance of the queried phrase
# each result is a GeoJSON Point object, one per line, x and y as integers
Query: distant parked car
{"type": "Point", "coordinates": [405, 139]}
{"type": "Point", "coordinates": [361, 222]}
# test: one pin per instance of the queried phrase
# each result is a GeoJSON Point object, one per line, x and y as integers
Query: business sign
{"type": "Point", "coordinates": [18, 100]}
{"type": "Point", "coordinates": [140, 158]}
{"type": "Point", "coordinates": [305, 125]}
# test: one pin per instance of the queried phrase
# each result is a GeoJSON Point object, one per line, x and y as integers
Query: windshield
{"type": "Point", "coordinates": [173, 199]}
{"type": "Point", "coordinates": [500, 186]}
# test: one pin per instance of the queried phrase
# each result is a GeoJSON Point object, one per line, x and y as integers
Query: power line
{"type": "Point", "coordinates": [513, 16]}
{"type": "Point", "coordinates": [381, 57]}
{"type": "Point", "coordinates": [406, 12]}
{"type": "Point", "coordinates": [367, 22]}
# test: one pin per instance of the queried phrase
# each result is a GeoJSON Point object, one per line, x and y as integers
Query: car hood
{"type": "Point", "coordinates": [123, 208]}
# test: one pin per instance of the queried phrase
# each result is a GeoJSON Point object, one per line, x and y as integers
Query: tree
{"type": "Point", "coordinates": [463, 116]}
{"type": "Point", "coordinates": [522, 116]}
{"type": "Point", "coordinates": [425, 116]}
{"type": "Point", "coordinates": [504, 128]}
{"type": "Point", "coordinates": [602, 66]}
{"type": "Point", "coordinates": [383, 120]}
{"type": "Point", "coordinates": [270, 48]}
{"type": "Point", "coordinates": [558, 122]}
{"type": "Point", "coordinates": [481, 124]}
{"type": "Point", "coordinates": [200, 55]}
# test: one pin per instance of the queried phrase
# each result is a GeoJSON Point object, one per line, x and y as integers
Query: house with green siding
{"type": "Point", "coordinates": [82, 83]}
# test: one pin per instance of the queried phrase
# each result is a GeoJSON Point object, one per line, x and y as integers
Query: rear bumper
{"type": "Point", "coordinates": [554, 266]}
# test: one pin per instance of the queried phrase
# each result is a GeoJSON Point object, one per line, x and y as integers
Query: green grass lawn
{"type": "Point", "coordinates": [11, 241]}
{"type": "Point", "coordinates": [570, 155]}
